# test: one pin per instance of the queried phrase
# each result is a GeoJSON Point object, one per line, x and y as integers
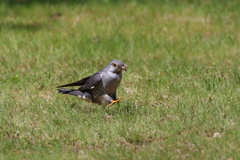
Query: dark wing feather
{"type": "Point", "coordinates": [114, 96]}
{"type": "Point", "coordinates": [93, 81]}
{"type": "Point", "coordinates": [78, 83]}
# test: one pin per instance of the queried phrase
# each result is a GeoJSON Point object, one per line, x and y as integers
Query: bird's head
{"type": "Point", "coordinates": [116, 66]}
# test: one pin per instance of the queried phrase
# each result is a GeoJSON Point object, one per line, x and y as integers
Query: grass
{"type": "Point", "coordinates": [181, 90]}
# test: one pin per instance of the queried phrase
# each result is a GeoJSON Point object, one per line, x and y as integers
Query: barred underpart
{"type": "Point", "coordinates": [98, 91]}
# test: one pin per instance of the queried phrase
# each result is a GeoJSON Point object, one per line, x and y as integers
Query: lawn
{"type": "Point", "coordinates": [181, 93]}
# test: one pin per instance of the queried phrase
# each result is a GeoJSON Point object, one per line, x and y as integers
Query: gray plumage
{"type": "Point", "coordinates": [99, 88]}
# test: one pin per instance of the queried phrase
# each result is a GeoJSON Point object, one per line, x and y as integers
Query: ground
{"type": "Point", "coordinates": [180, 93]}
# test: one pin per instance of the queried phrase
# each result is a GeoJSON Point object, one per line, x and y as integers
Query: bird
{"type": "Point", "coordinates": [99, 88]}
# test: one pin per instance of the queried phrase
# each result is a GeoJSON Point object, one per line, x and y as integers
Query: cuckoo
{"type": "Point", "coordinates": [100, 87]}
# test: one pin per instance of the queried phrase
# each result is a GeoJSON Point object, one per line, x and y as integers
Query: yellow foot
{"type": "Point", "coordinates": [114, 101]}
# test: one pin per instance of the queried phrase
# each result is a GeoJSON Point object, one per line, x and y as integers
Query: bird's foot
{"type": "Point", "coordinates": [114, 101]}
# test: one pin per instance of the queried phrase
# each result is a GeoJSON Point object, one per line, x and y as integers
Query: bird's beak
{"type": "Point", "coordinates": [123, 68]}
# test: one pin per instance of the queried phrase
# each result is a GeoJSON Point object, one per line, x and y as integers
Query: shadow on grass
{"type": "Point", "coordinates": [70, 2]}
{"type": "Point", "coordinates": [35, 26]}
{"type": "Point", "coordinates": [129, 109]}
{"type": "Point", "coordinates": [28, 2]}
{"type": "Point", "coordinates": [124, 109]}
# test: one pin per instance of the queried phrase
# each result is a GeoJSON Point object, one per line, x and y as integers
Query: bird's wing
{"type": "Point", "coordinates": [114, 96]}
{"type": "Point", "coordinates": [92, 82]}
{"type": "Point", "coordinates": [78, 83]}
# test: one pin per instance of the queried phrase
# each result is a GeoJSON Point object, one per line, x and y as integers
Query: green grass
{"type": "Point", "coordinates": [182, 86]}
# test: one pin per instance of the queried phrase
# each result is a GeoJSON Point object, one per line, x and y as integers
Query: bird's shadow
{"type": "Point", "coordinates": [35, 26]}
{"type": "Point", "coordinates": [129, 108]}
{"type": "Point", "coordinates": [49, 2]}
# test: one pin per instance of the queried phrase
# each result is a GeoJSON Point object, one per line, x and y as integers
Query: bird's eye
{"type": "Point", "coordinates": [114, 65]}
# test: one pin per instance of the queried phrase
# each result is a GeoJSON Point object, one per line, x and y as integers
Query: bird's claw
{"type": "Point", "coordinates": [114, 101]}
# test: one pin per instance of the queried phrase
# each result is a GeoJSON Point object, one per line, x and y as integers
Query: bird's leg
{"type": "Point", "coordinates": [114, 101]}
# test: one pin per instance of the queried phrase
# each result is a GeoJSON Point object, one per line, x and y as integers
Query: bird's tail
{"type": "Point", "coordinates": [70, 92]}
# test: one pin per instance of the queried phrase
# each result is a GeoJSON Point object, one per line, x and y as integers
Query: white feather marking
{"type": "Point", "coordinates": [102, 80]}
{"type": "Point", "coordinates": [92, 87]}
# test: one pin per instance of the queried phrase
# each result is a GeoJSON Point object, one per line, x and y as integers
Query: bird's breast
{"type": "Point", "coordinates": [111, 81]}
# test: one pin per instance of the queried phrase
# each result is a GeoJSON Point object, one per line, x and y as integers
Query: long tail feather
{"type": "Point", "coordinates": [78, 83]}
{"type": "Point", "coordinates": [70, 92]}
